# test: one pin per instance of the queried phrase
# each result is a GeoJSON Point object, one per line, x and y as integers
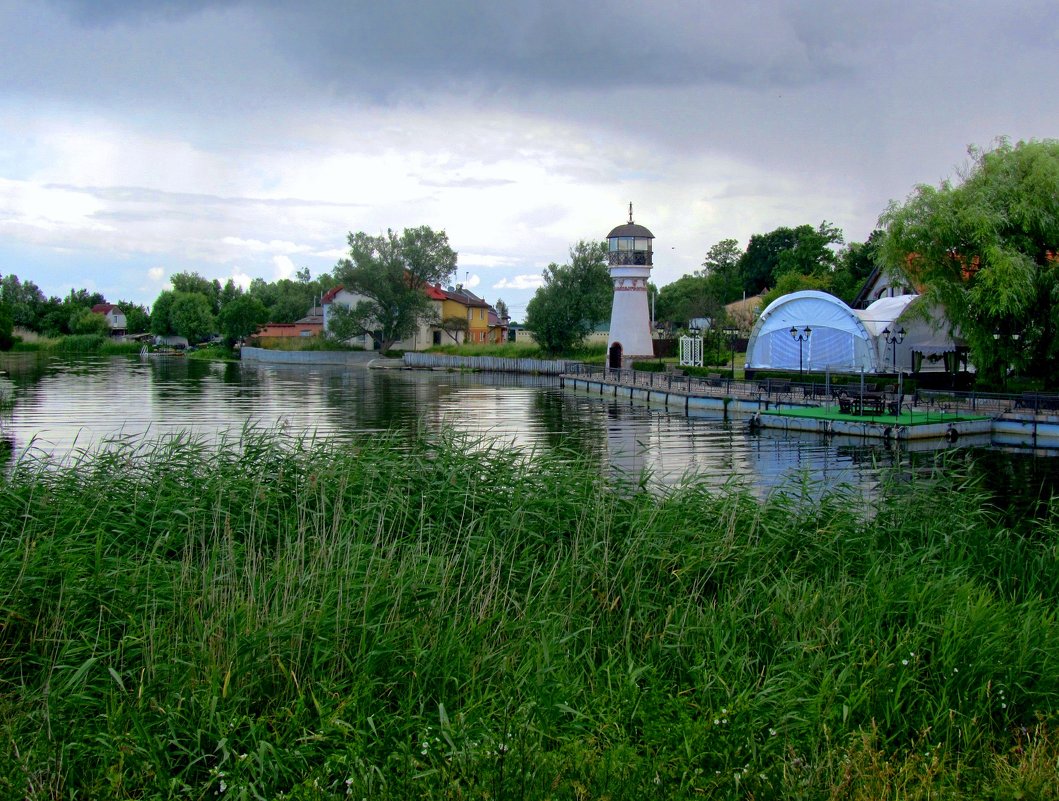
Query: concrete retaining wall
{"type": "Point", "coordinates": [437, 361]}
{"type": "Point", "coordinates": [348, 358]}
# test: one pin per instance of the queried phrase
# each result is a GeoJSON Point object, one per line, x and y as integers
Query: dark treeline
{"type": "Point", "coordinates": [781, 261]}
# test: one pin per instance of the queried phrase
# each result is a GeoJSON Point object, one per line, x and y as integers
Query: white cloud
{"type": "Point", "coordinates": [335, 254]}
{"type": "Point", "coordinates": [30, 205]}
{"type": "Point", "coordinates": [273, 246]}
{"type": "Point", "coordinates": [283, 267]}
{"type": "Point", "coordinates": [156, 274]}
{"type": "Point", "coordinates": [241, 278]}
{"type": "Point", "coordinates": [520, 282]}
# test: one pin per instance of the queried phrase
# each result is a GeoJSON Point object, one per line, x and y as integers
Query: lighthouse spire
{"type": "Point", "coordinates": [630, 211]}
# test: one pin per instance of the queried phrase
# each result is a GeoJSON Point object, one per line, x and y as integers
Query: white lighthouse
{"type": "Point", "coordinates": [630, 318]}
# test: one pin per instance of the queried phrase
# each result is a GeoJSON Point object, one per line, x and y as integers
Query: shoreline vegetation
{"type": "Point", "coordinates": [77, 343]}
{"type": "Point", "coordinates": [400, 618]}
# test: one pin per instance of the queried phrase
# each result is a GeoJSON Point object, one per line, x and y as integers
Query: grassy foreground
{"type": "Point", "coordinates": [269, 620]}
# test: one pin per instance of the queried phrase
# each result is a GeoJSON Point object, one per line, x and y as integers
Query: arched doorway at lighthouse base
{"type": "Point", "coordinates": [614, 358]}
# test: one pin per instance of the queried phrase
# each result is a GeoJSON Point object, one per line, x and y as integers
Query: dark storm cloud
{"type": "Point", "coordinates": [380, 47]}
{"type": "Point", "coordinates": [499, 52]}
{"type": "Point", "coordinates": [554, 43]}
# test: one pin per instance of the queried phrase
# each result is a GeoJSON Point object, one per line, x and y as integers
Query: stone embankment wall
{"type": "Point", "coordinates": [498, 364]}
{"type": "Point", "coordinates": [351, 358]}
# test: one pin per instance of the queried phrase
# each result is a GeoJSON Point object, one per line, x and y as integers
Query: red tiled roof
{"type": "Point", "coordinates": [331, 295]}
{"type": "Point", "coordinates": [103, 308]}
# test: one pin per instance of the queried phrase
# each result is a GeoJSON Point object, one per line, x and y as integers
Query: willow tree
{"type": "Point", "coordinates": [986, 247]}
{"type": "Point", "coordinates": [392, 273]}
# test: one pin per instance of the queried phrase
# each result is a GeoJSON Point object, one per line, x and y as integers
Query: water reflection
{"type": "Point", "coordinates": [63, 405]}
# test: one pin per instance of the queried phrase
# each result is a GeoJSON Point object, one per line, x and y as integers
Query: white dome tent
{"type": "Point", "coordinates": [844, 339]}
{"type": "Point", "coordinates": [839, 340]}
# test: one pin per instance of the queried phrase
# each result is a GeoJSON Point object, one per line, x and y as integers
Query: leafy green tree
{"type": "Point", "coordinates": [161, 314]}
{"type": "Point", "coordinates": [805, 250]}
{"type": "Point", "coordinates": [185, 314]}
{"type": "Point", "coordinates": [686, 298]}
{"type": "Point", "coordinates": [501, 309]}
{"type": "Point", "coordinates": [240, 318]}
{"type": "Point", "coordinates": [986, 248]}
{"type": "Point", "coordinates": [137, 320]}
{"type": "Point", "coordinates": [795, 282]}
{"type": "Point", "coordinates": [192, 317]}
{"type": "Point", "coordinates": [721, 269]}
{"type": "Point", "coordinates": [575, 298]}
{"type": "Point", "coordinates": [288, 301]}
{"type": "Point", "coordinates": [24, 300]}
{"type": "Point", "coordinates": [193, 282]}
{"type": "Point", "coordinates": [811, 253]}
{"type": "Point", "coordinates": [856, 261]}
{"type": "Point", "coordinates": [7, 326]}
{"type": "Point", "coordinates": [54, 318]}
{"type": "Point", "coordinates": [82, 298]}
{"type": "Point", "coordinates": [85, 321]}
{"type": "Point", "coordinates": [757, 265]}
{"type": "Point", "coordinates": [344, 323]}
{"type": "Point", "coordinates": [392, 272]}
{"type": "Point", "coordinates": [229, 292]}
{"type": "Point", "coordinates": [285, 300]}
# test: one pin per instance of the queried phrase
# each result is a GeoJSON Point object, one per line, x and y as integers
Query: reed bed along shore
{"type": "Point", "coordinates": [271, 619]}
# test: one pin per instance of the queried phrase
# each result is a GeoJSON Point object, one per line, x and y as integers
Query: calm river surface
{"type": "Point", "coordinates": [64, 406]}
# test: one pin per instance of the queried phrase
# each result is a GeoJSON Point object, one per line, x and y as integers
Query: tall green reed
{"type": "Point", "coordinates": [276, 617]}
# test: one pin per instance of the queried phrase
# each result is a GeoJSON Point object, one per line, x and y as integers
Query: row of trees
{"type": "Point", "coordinates": [782, 261]}
{"type": "Point", "coordinates": [29, 309]}
{"type": "Point", "coordinates": [195, 307]}
{"type": "Point", "coordinates": [391, 271]}
{"type": "Point", "coordinates": [576, 296]}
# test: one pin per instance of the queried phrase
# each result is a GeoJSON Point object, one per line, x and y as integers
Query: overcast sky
{"type": "Point", "coordinates": [247, 139]}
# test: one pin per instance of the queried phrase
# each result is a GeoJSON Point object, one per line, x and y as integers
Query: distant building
{"type": "Point", "coordinates": [289, 330]}
{"type": "Point", "coordinates": [115, 318]}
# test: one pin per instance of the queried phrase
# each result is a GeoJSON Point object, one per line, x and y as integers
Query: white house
{"type": "Point", "coordinates": [115, 317]}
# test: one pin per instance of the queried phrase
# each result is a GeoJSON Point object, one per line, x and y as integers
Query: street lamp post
{"type": "Point", "coordinates": [894, 339]}
{"type": "Point", "coordinates": [801, 336]}
{"type": "Point", "coordinates": [731, 332]}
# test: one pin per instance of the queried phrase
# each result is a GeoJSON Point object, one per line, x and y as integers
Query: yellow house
{"type": "Point", "coordinates": [460, 305]}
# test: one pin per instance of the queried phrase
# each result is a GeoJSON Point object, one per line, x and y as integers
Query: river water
{"type": "Point", "coordinates": [65, 406]}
